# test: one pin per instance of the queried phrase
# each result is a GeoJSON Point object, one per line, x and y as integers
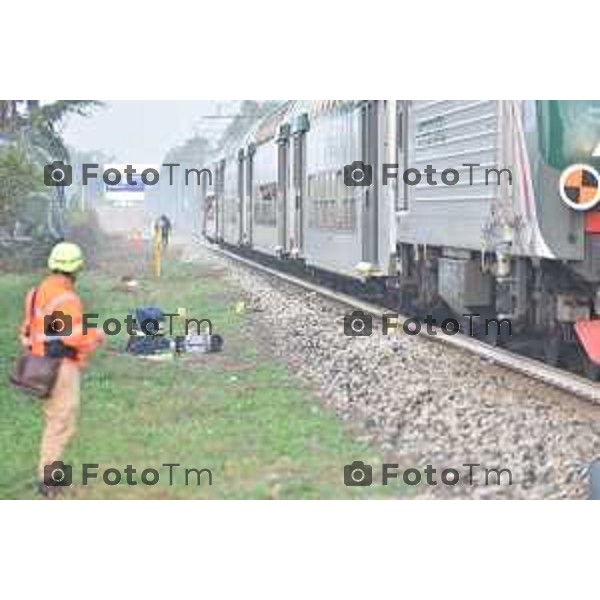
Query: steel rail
{"type": "Point", "coordinates": [535, 369]}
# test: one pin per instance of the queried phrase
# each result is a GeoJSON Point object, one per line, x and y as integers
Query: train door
{"type": "Point", "coordinates": [369, 122]}
{"type": "Point", "coordinates": [217, 201]}
{"type": "Point", "coordinates": [299, 171]}
{"type": "Point", "coordinates": [220, 199]}
{"type": "Point", "coordinates": [401, 188]}
{"type": "Point", "coordinates": [249, 192]}
{"type": "Point", "coordinates": [283, 147]}
{"type": "Point", "coordinates": [240, 196]}
{"type": "Point", "coordinates": [203, 205]}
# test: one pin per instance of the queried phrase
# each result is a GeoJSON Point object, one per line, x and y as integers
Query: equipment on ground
{"type": "Point", "coordinates": [199, 344]}
{"type": "Point", "coordinates": [149, 337]}
{"type": "Point", "coordinates": [149, 320]}
{"type": "Point", "coordinates": [149, 345]}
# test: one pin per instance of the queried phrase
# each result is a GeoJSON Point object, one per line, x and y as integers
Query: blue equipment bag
{"type": "Point", "coordinates": [149, 314]}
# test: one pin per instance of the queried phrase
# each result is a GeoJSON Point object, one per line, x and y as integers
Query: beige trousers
{"type": "Point", "coordinates": [60, 415]}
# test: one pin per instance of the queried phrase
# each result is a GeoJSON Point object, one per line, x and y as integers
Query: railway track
{"type": "Point", "coordinates": [555, 377]}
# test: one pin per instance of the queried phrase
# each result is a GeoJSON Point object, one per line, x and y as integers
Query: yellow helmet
{"type": "Point", "coordinates": [65, 257]}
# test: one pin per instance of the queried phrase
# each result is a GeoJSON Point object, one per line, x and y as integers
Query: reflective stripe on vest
{"type": "Point", "coordinates": [48, 309]}
{"type": "Point", "coordinates": [54, 303]}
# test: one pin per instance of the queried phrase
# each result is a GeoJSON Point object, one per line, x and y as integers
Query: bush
{"type": "Point", "coordinates": [20, 255]}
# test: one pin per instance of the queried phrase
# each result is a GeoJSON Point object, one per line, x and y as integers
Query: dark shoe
{"type": "Point", "coordinates": [49, 492]}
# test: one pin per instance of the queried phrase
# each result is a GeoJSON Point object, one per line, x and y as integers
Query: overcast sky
{"type": "Point", "coordinates": [143, 131]}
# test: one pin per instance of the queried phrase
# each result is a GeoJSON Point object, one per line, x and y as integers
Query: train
{"type": "Point", "coordinates": [486, 207]}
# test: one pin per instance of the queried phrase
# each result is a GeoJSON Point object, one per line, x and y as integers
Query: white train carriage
{"type": "Point", "coordinates": [291, 197]}
{"type": "Point", "coordinates": [333, 229]}
{"type": "Point", "coordinates": [468, 216]}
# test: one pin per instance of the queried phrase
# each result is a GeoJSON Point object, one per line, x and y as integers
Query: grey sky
{"type": "Point", "coordinates": [133, 131]}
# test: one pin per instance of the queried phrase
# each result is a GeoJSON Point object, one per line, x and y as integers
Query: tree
{"type": "Point", "coordinates": [8, 115]}
{"type": "Point", "coordinates": [20, 179]}
{"type": "Point", "coordinates": [33, 133]}
{"type": "Point", "coordinates": [40, 127]}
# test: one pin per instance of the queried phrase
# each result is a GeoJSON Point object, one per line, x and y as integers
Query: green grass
{"type": "Point", "coordinates": [239, 413]}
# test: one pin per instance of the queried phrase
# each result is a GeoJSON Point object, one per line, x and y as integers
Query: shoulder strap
{"type": "Point", "coordinates": [30, 313]}
{"type": "Point", "coordinates": [34, 292]}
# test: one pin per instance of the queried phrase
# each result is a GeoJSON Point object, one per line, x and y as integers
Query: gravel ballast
{"type": "Point", "coordinates": [425, 403]}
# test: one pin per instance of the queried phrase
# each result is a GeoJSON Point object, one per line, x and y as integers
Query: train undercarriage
{"type": "Point", "coordinates": [530, 306]}
{"type": "Point", "coordinates": [537, 302]}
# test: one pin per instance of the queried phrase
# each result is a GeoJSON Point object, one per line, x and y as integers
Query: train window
{"type": "Point", "coordinates": [349, 212]}
{"type": "Point", "coordinates": [240, 182]}
{"type": "Point", "coordinates": [347, 205]}
{"type": "Point", "coordinates": [333, 214]}
{"type": "Point", "coordinates": [298, 161]}
{"type": "Point", "coordinates": [319, 188]}
{"type": "Point", "coordinates": [569, 131]}
{"type": "Point", "coordinates": [400, 130]}
{"type": "Point", "coordinates": [339, 191]}
{"type": "Point", "coordinates": [250, 176]}
{"type": "Point", "coordinates": [311, 186]}
{"type": "Point", "coordinates": [330, 205]}
{"type": "Point", "coordinates": [264, 204]}
{"type": "Point", "coordinates": [210, 207]}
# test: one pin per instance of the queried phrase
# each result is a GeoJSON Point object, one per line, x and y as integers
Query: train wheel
{"type": "Point", "coordinates": [553, 349]}
{"type": "Point", "coordinates": [590, 369]}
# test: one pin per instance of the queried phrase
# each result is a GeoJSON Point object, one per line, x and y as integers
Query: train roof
{"type": "Point", "coordinates": [287, 112]}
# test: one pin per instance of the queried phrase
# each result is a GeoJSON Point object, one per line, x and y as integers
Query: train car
{"type": "Point", "coordinates": [501, 241]}
{"type": "Point", "coordinates": [332, 230]}
{"type": "Point", "coordinates": [266, 173]}
{"type": "Point", "coordinates": [458, 205]}
{"type": "Point", "coordinates": [291, 198]}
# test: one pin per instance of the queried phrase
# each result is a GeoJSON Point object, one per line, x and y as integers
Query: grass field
{"type": "Point", "coordinates": [238, 413]}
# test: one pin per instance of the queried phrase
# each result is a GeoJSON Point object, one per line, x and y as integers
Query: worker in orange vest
{"type": "Point", "coordinates": [53, 327]}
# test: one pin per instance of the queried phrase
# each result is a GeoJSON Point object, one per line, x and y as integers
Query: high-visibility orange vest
{"type": "Point", "coordinates": [56, 294]}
